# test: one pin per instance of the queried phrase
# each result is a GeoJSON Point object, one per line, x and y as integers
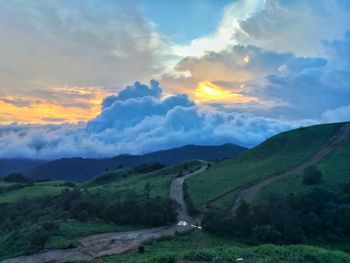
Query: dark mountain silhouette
{"type": "Point", "coordinates": [81, 169]}
{"type": "Point", "coordinates": [8, 166]}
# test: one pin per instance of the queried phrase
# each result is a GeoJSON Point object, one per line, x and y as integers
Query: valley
{"type": "Point", "coordinates": [202, 191]}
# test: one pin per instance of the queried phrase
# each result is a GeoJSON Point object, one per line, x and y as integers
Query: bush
{"type": "Point", "coordinates": [16, 178]}
{"type": "Point", "coordinates": [147, 168]}
{"type": "Point", "coordinates": [83, 216]}
{"type": "Point", "coordinates": [267, 234]}
{"type": "Point", "coordinates": [312, 175]}
{"type": "Point", "coordinates": [69, 184]}
{"type": "Point", "coordinates": [141, 249]}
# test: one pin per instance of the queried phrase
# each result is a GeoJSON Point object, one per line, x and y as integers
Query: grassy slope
{"type": "Point", "coordinates": [200, 246]}
{"type": "Point", "coordinates": [37, 190]}
{"type": "Point", "coordinates": [335, 171]}
{"type": "Point", "coordinates": [160, 180]}
{"type": "Point", "coordinates": [120, 180]}
{"type": "Point", "coordinates": [277, 154]}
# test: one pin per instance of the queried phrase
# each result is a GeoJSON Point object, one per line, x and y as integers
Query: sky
{"type": "Point", "coordinates": [98, 78]}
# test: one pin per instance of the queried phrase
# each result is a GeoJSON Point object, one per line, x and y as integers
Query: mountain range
{"type": "Point", "coordinates": [82, 169]}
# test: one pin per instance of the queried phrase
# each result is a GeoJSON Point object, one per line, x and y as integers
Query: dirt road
{"type": "Point", "coordinates": [96, 246]}
{"type": "Point", "coordinates": [177, 194]}
{"type": "Point", "coordinates": [335, 142]}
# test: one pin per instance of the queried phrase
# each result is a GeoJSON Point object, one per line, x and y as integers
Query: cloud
{"type": "Point", "coordinates": [279, 85]}
{"type": "Point", "coordinates": [222, 38]}
{"type": "Point", "coordinates": [19, 102]}
{"type": "Point", "coordinates": [242, 70]}
{"type": "Point", "coordinates": [295, 26]}
{"type": "Point", "coordinates": [138, 124]}
{"type": "Point", "coordinates": [315, 88]}
{"type": "Point", "coordinates": [75, 43]}
{"type": "Point", "coordinates": [337, 115]}
{"type": "Point", "coordinates": [138, 90]}
{"type": "Point", "coordinates": [71, 104]}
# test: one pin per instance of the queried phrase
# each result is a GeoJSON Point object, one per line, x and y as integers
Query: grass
{"type": "Point", "coordinates": [30, 192]}
{"type": "Point", "coordinates": [205, 248]}
{"type": "Point", "coordinates": [47, 188]}
{"type": "Point", "coordinates": [275, 155]}
{"type": "Point", "coordinates": [335, 172]}
{"type": "Point", "coordinates": [127, 180]}
{"type": "Point", "coordinates": [71, 231]}
{"type": "Point", "coordinates": [5, 184]}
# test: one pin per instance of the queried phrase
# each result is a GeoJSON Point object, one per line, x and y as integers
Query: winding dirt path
{"type": "Point", "coordinates": [101, 245]}
{"type": "Point", "coordinates": [249, 193]}
{"type": "Point", "coordinates": [177, 194]}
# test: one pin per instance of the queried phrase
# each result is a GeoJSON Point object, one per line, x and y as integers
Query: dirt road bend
{"type": "Point", "coordinates": [177, 194]}
{"type": "Point", "coordinates": [97, 246]}
{"type": "Point", "coordinates": [249, 193]}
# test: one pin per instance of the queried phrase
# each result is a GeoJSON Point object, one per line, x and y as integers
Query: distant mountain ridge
{"type": "Point", "coordinates": [17, 165]}
{"type": "Point", "coordinates": [82, 169]}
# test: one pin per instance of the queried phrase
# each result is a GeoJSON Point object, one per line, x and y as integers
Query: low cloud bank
{"type": "Point", "coordinates": [135, 121]}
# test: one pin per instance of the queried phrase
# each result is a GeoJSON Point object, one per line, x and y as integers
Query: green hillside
{"type": "Point", "coordinates": [37, 189]}
{"type": "Point", "coordinates": [127, 180]}
{"type": "Point", "coordinates": [277, 154]}
{"type": "Point", "coordinates": [335, 176]}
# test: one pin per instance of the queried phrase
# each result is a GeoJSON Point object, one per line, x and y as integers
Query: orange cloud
{"type": "Point", "coordinates": [66, 104]}
{"type": "Point", "coordinates": [209, 92]}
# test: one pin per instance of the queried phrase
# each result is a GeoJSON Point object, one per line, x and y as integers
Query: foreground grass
{"type": "Point", "coordinates": [205, 248]}
{"type": "Point", "coordinates": [275, 155]}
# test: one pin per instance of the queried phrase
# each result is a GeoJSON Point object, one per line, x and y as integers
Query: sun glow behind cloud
{"type": "Point", "coordinates": [209, 92]}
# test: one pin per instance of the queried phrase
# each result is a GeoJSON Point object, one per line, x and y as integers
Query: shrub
{"type": "Point", "coordinates": [83, 216]}
{"type": "Point", "coordinates": [267, 234]}
{"type": "Point", "coordinates": [69, 184]}
{"type": "Point", "coordinates": [141, 249]}
{"type": "Point", "coordinates": [16, 178]}
{"type": "Point", "coordinates": [312, 175]}
{"type": "Point", "coordinates": [146, 168]}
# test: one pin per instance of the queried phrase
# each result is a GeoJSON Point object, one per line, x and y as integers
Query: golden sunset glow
{"type": "Point", "coordinates": [209, 92]}
{"type": "Point", "coordinates": [246, 59]}
{"type": "Point", "coordinates": [71, 104]}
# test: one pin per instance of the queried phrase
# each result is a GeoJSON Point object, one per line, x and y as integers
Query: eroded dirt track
{"type": "Point", "coordinates": [249, 193]}
{"type": "Point", "coordinates": [97, 246]}
{"type": "Point", "coordinates": [177, 194]}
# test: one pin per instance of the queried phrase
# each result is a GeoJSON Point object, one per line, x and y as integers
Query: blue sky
{"type": "Point", "coordinates": [182, 20]}
{"type": "Point", "coordinates": [98, 78]}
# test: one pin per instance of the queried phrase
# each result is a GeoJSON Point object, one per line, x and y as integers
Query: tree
{"type": "Point", "coordinates": [180, 173]}
{"type": "Point", "coordinates": [267, 234]}
{"type": "Point", "coordinates": [39, 239]}
{"type": "Point", "coordinates": [147, 189]}
{"type": "Point", "coordinates": [83, 216]}
{"type": "Point", "coordinates": [312, 175]}
{"type": "Point", "coordinates": [242, 219]}
{"type": "Point", "coordinates": [312, 224]}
